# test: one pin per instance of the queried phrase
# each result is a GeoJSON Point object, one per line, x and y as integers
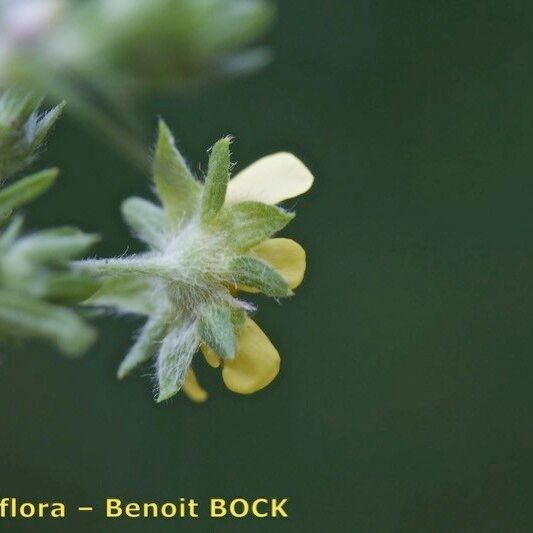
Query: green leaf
{"type": "Point", "coordinates": [216, 181]}
{"type": "Point", "coordinates": [10, 234]}
{"type": "Point", "coordinates": [174, 359]}
{"type": "Point", "coordinates": [68, 288]}
{"type": "Point", "coordinates": [144, 347]}
{"type": "Point", "coordinates": [33, 318]}
{"type": "Point", "coordinates": [126, 294]}
{"type": "Point", "coordinates": [250, 223]}
{"type": "Point", "coordinates": [216, 330]}
{"type": "Point", "coordinates": [147, 221]}
{"type": "Point", "coordinates": [177, 188]}
{"type": "Point", "coordinates": [52, 246]}
{"type": "Point", "coordinates": [253, 272]}
{"type": "Point", "coordinates": [25, 190]}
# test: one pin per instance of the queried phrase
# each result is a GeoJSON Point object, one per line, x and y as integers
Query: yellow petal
{"type": "Point", "coordinates": [212, 358]}
{"type": "Point", "coordinates": [286, 256]}
{"type": "Point", "coordinates": [270, 180]}
{"type": "Point", "coordinates": [192, 388]}
{"type": "Point", "coordinates": [256, 363]}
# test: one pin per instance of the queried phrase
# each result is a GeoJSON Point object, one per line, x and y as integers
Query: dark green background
{"type": "Point", "coordinates": [404, 401]}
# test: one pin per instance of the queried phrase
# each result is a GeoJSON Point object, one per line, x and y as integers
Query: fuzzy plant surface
{"type": "Point", "coordinates": [37, 282]}
{"type": "Point", "coordinates": [206, 242]}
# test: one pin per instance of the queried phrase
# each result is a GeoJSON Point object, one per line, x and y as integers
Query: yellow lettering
{"type": "Point", "coordinates": [277, 507]}
{"type": "Point", "coordinates": [169, 510]}
{"type": "Point", "coordinates": [218, 507]}
{"type": "Point", "coordinates": [193, 508]}
{"type": "Point", "coordinates": [113, 508]}
{"type": "Point", "coordinates": [58, 510]}
{"type": "Point", "coordinates": [255, 510]}
{"type": "Point", "coordinates": [152, 507]}
{"type": "Point", "coordinates": [244, 506]}
{"type": "Point", "coordinates": [132, 510]}
{"type": "Point", "coordinates": [27, 510]}
{"type": "Point", "coordinates": [42, 507]}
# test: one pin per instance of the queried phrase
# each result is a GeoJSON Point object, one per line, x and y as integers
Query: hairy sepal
{"type": "Point", "coordinates": [238, 316]}
{"type": "Point", "coordinates": [145, 346]}
{"type": "Point", "coordinates": [147, 221]}
{"type": "Point", "coordinates": [216, 182]}
{"type": "Point", "coordinates": [175, 357]}
{"type": "Point", "coordinates": [252, 272]}
{"type": "Point", "coordinates": [217, 330]}
{"type": "Point", "coordinates": [249, 223]}
{"type": "Point", "coordinates": [176, 186]}
{"type": "Point", "coordinates": [129, 294]}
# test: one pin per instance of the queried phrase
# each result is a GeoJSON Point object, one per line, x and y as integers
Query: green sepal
{"type": "Point", "coordinates": [25, 190]}
{"type": "Point", "coordinates": [216, 181]}
{"type": "Point", "coordinates": [144, 347]}
{"type": "Point", "coordinates": [238, 316]}
{"type": "Point", "coordinates": [216, 330]}
{"type": "Point", "coordinates": [29, 317]}
{"type": "Point", "coordinates": [174, 359]}
{"type": "Point", "coordinates": [252, 272]}
{"type": "Point", "coordinates": [249, 223]}
{"type": "Point", "coordinates": [126, 294]}
{"type": "Point", "coordinates": [147, 221]}
{"type": "Point", "coordinates": [177, 188]}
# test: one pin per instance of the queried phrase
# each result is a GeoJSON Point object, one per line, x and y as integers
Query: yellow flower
{"type": "Point", "coordinates": [270, 180]}
{"type": "Point", "coordinates": [206, 242]}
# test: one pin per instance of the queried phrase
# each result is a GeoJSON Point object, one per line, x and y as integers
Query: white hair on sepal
{"type": "Point", "coordinates": [174, 358]}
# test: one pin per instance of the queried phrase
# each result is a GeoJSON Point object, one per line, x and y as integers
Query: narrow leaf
{"type": "Point", "coordinates": [52, 246]}
{"type": "Point", "coordinates": [250, 223]}
{"type": "Point", "coordinates": [68, 288]}
{"type": "Point", "coordinates": [177, 188]}
{"type": "Point", "coordinates": [147, 221]}
{"type": "Point", "coordinates": [10, 234]}
{"type": "Point", "coordinates": [216, 181]}
{"type": "Point", "coordinates": [25, 190]}
{"type": "Point", "coordinates": [144, 347]}
{"type": "Point", "coordinates": [34, 318]}
{"type": "Point", "coordinates": [216, 330]}
{"type": "Point", "coordinates": [252, 272]}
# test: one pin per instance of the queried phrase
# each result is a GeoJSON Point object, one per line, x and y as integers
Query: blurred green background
{"type": "Point", "coordinates": [404, 401]}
